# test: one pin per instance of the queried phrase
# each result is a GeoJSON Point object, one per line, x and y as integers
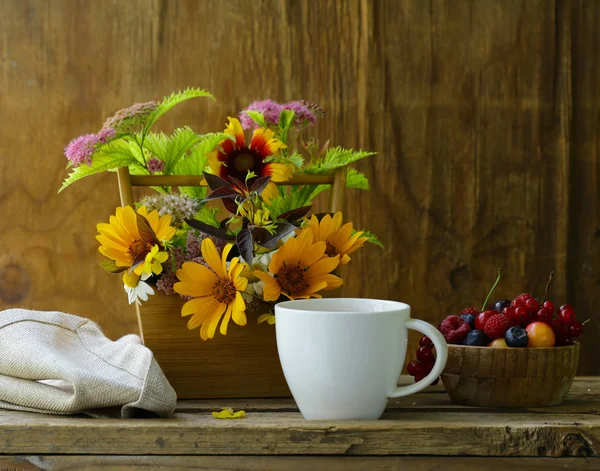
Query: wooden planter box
{"type": "Point", "coordinates": [243, 363]}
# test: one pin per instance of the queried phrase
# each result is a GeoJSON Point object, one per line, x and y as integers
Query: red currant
{"type": "Point", "coordinates": [427, 367]}
{"type": "Point", "coordinates": [425, 342]}
{"type": "Point", "coordinates": [415, 368]}
{"type": "Point", "coordinates": [521, 315]}
{"type": "Point", "coordinates": [437, 380]}
{"type": "Point", "coordinates": [549, 305]}
{"type": "Point", "coordinates": [568, 315]}
{"type": "Point", "coordinates": [558, 326]}
{"type": "Point", "coordinates": [565, 306]}
{"type": "Point", "coordinates": [532, 304]}
{"type": "Point", "coordinates": [418, 378]}
{"type": "Point", "coordinates": [576, 329]}
{"type": "Point", "coordinates": [518, 302]}
{"type": "Point", "coordinates": [568, 341]}
{"type": "Point", "coordinates": [425, 356]}
{"type": "Point", "coordinates": [545, 315]}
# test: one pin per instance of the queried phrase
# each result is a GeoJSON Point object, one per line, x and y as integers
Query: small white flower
{"type": "Point", "coordinates": [136, 287]}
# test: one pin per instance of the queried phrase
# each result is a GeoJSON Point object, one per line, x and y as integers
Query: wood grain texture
{"type": "Point", "coordinates": [270, 463]}
{"type": "Point", "coordinates": [244, 363]}
{"type": "Point", "coordinates": [510, 377]}
{"type": "Point", "coordinates": [273, 428]}
{"type": "Point", "coordinates": [485, 116]}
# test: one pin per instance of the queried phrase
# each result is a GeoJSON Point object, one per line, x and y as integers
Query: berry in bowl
{"type": "Point", "coordinates": [521, 353]}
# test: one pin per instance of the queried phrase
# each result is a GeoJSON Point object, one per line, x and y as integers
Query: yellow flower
{"type": "Point", "coordinates": [301, 269]}
{"type": "Point", "coordinates": [229, 414]}
{"type": "Point", "coordinates": [236, 158]}
{"type": "Point", "coordinates": [154, 261]}
{"type": "Point", "coordinates": [339, 239]}
{"type": "Point", "coordinates": [217, 291]}
{"type": "Point", "coordinates": [125, 242]}
{"type": "Point", "coordinates": [269, 318]}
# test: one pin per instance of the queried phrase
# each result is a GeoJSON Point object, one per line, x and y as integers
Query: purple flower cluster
{"type": "Point", "coordinates": [128, 119]}
{"type": "Point", "coordinates": [81, 149]}
{"type": "Point", "coordinates": [306, 113]}
{"type": "Point", "coordinates": [155, 165]}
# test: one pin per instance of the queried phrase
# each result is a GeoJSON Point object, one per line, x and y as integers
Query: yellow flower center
{"type": "Point", "coordinates": [139, 246]}
{"type": "Point", "coordinates": [130, 279]}
{"type": "Point", "coordinates": [224, 291]}
{"type": "Point", "coordinates": [331, 251]}
{"type": "Point", "coordinates": [291, 279]}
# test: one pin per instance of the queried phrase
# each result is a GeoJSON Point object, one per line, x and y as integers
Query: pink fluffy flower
{"type": "Point", "coordinates": [303, 113]}
{"type": "Point", "coordinates": [270, 110]}
{"type": "Point", "coordinates": [155, 165]}
{"type": "Point", "coordinates": [81, 149]}
{"type": "Point", "coordinates": [128, 119]}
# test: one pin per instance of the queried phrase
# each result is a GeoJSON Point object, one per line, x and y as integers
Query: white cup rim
{"type": "Point", "coordinates": [355, 306]}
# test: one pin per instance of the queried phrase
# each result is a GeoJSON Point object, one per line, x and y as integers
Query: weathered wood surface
{"type": "Point", "coordinates": [276, 428]}
{"type": "Point", "coordinates": [485, 115]}
{"type": "Point", "coordinates": [270, 463]}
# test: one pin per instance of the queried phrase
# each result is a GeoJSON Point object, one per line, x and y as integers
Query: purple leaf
{"type": "Point", "coordinates": [221, 193]}
{"type": "Point", "coordinates": [245, 245]}
{"type": "Point", "coordinates": [283, 229]}
{"type": "Point", "coordinates": [208, 229]}
{"type": "Point", "coordinates": [215, 182]}
{"type": "Point", "coordinates": [295, 214]}
{"type": "Point", "coordinates": [145, 229]}
{"type": "Point", "coordinates": [237, 183]}
{"type": "Point", "coordinates": [260, 184]}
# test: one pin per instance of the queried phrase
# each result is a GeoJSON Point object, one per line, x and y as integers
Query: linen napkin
{"type": "Point", "coordinates": [57, 363]}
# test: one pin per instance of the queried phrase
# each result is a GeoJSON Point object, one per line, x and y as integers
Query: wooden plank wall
{"type": "Point", "coordinates": [484, 114]}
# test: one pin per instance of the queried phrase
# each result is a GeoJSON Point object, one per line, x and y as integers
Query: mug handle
{"type": "Point", "coordinates": [442, 355]}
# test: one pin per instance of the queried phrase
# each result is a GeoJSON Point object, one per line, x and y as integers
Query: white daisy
{"type": "Point", "coordinates": [136, 287]}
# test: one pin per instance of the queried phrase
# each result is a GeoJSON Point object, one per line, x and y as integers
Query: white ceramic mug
{"type": "Point", "coordinates": [342, 357]}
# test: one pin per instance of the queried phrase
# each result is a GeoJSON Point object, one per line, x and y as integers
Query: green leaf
{"type": "Point", "coordinates": [286, 118]}
{"type": "Point", "coordinates": [295, 159]}
{"type": "Point", "coordinates": [111, 267]}
{"type": "Point", "coordinates": [357, 180]}
{"type": "Point", "coordinates": [176, 146]}
{"type": "Point", "coordinates": [372, 238]}
{"type": "Point", "coordinates": [257, 117]}
{"type": "Point", "coordinates": [208, 215]}
{"type": "Point", "coordinates": [334, 158]}
{"type": "Point", "coordinates": [196, 161]}
{"type": "Point", "coordinates": [115, 154]}
{"type": "Point", "coordinates": [174, 99]}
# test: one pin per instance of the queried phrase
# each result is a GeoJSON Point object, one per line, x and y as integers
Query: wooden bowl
{"type": "Point", "coordinates": [509, 377]}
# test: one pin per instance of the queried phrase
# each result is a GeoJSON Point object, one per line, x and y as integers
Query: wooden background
{"type": "Point", "coordinates": [485, 115]}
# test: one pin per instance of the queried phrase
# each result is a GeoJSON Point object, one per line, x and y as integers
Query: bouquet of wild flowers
{"type": "Point", "coordinates": [237, 241]}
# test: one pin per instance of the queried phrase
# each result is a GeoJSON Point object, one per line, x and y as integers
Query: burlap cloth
{"type": "Point", "coordinates": [56, 363]}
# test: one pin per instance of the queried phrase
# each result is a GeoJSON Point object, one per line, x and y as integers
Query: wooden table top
{"type": "Point", "coordinates": [422, 424]}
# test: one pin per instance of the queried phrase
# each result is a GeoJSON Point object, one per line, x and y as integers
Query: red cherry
{"type": "Point", "coordinates": [532, 304]}
{"type": "Point", "coordinates": [427, 367]}
{"type": "Point", "coordinates": [549, 305]}
{"type": "Point", "coordinates": [418, 378]}
{"type": "Point", "coordinates": [568, 341]}
{"type": "Point", "coordinates": [568, 315]}
{"type": "Point", "coordinates": [518, 302]}
{"type": "Point", "coordinates": [482, 318]}
{"type": "Point", "coordinates": [425, 342]}
{"type": "Point", "coordinates": [415, 368]}
{"type": "Point", "coordinates": [425, 356]}
{"type": "Point", "coordinates": [565, 306]}
{"type": "Point", "coordinates": [437, 380]}
{"type": "Point", "coordinates": [576, 329]}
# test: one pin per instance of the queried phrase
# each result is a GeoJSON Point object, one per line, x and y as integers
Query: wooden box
{"type": "Point", "coordinates": [509, 377]}
{"type": "Point", "coordinates": [243, 363]}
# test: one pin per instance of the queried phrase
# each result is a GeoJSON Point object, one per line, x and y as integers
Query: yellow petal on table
{"type": "Point", "coordinates": [229, 414]}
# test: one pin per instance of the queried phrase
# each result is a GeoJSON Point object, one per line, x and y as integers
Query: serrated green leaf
{"type": "Point", "coordinates": [172, 100]}
{"type": "Point", "coordinates": [118, 153]}
{"type": "Point", "coordinates": [175, 146]}
{"type": "Point", "coordinates": [371, 238]}
{"type": "Point", "coordinates": [295, 159]}
{"type": "Point", "coordinates": [257, 117]}
{"type": "Point", "coordinates": [208, 215]}
{"type": "Point", "coordinates": [357, 180]}
{"type": "Point", "coordinates": [336, 157]}
{"type": "Point", "coordinates": [197, 160]}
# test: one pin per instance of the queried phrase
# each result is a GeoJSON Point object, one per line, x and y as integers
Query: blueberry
{"type": "Point", "coordinates": [500, 305]}
{"type": "Point", "coordinates": [476, 338]}
{"type": "Point", "coordinates": [469, 319]}
{"type": "Point", "coordinates": [516, 337]}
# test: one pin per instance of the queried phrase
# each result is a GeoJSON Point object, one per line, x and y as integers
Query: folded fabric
{"type": "Point", "coordinates": [56, 363]}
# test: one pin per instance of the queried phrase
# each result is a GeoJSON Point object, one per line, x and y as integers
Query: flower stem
{"type": "Point", "coordinates": [492, 290]}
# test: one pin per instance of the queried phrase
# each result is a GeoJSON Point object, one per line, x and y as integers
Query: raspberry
{"type": "Point", "coordinates": [470, 310]}
{"type": "Point", "coordinates": [454, 329]}
{"type": "Point", "coordinates": [497, 326]}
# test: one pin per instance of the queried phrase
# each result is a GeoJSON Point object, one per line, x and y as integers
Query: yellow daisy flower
{"type": "Point", "coordinates": [300, 269]}
{"type": "Point", "coordinates": [154, 261]}
{"type": "Point", "coordinates": [339, 239]}
{"type": "Point", "coordinates": [127, 240]}
{"type": "Point", "coordinates": [217, 291]}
